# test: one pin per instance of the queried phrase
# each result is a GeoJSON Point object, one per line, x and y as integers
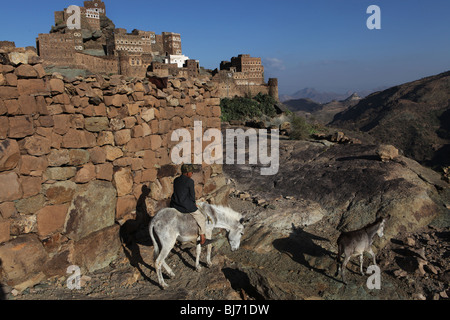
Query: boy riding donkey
{"type": "Point", "coordinates": [183, 200]}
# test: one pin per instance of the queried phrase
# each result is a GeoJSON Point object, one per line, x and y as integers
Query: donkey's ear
{"type": "Point", "coordinates": [244, 221]}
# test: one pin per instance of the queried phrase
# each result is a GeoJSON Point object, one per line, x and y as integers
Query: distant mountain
{"type": "Point", "coordinates": [414, 117]}
{"type": "Point", "coordinates": [314, 95]}
{"type": "Point", "coordinates": [306, 105]}
{"type": "Point", "coordinates": [323, 113]}
{"type": "Point", "coordinates": [325, 97]}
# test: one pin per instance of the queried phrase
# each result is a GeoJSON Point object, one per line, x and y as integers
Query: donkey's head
{"type": "Point", "coordinates": [382, 224]}
{"type": "Point", "coordinates": [235, 234]}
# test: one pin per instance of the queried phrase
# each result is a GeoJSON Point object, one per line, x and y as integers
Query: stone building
{"type": "Point", "coordinates": [99, 47]}
{"type": "Point", "coordinates": [244, 75]}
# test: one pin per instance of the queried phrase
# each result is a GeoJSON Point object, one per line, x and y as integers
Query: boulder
{"type": "Point", "coordinates": [22, 259]}
{"type": "Point", "coordinates": [97, 250]}
{"type": "Point", "coordinates": [387, 152]}
{"type": "Point", "coordinates": [93, 208]}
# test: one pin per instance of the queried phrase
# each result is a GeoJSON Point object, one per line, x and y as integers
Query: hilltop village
{"type": "Point", "coordinates": [84, 39]}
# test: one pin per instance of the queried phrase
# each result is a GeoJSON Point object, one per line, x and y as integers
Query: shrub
{"type": "Point", "coordinates": [240, 108]}
{"type": "Point", "coordinates": [301, 129]}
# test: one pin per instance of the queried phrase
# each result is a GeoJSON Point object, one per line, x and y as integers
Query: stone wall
{"type": "Point", "coordinates": [80, 158]}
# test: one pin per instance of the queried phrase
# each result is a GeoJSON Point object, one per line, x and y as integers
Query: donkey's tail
{"type": "Point", "coordinates": [155, 243]}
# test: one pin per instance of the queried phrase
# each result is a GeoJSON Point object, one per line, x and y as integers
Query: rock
{"type": "Point", "coordinates": [387, 152]}
{"type": "Point", "coordinates": [97, 250]}
{"type": "Point", "coordinates": [97, 124]}
{"type": "Point", "coordinates": [58, 158]}
{"type": "Point", "coordinates": [85, 174]}
{"type": "Point", "coordinates": [51, 219]}
{"type": "Point", "coordinates": [122, 137]}
{"type": "Point", "coordinates": [10, 187]}
{"type": "Point", "coordinates": [30, 205]}
{"type": "Point", "coordinates": [78, 139]}
{"type": "Point", "coordinates": [60, 173]}
{"type": "Point", "coordinates": [5, 227]}
{"type": "Point", "coordinates": [92, 209]}
{"type": "Point", "coordinates": [148, 114]}
{"type": "Point", "coordinates": [123, 181]}
{"type": "Point", "coordinates": [342, 184]}
{"type": "Point", "coordinates": [60, 192]}
{"type": "Point", "coordinates": [22, 259]}
{"type": "Point", "coordinates": [9, 154]}
{"type": "Point", "coordinates": [21, 127]}
{"type": "Point", "coordinates": [37, 145]}
{"type": "Point", "coordinates": [25, 71]}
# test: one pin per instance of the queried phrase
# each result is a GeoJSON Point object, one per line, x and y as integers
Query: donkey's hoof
{"type": "Point", "coordinates": [198, 269]}
{"type": "Point", "coordinates": [164, 286]}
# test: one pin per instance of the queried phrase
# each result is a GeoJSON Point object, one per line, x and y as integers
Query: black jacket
{"type": "Point", "coordinates": [183, 198]}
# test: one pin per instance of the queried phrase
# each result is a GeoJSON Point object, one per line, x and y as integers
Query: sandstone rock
{"type": "Point", "coordinates": [78, 157]}
{"type": "Point", "coordinates": [30, 205]}
{"type": "Point", "coordinates": [122, 137]}
{"type": "Point", "coordinates": [387, 152]}
{"type": "Point", "coordinates": [31, 185]}
{"type": "Point", "coordinates": [22, 259]}
{"type": "Point", "coordinates": [148, 114]}
{"type": "Point", "coordinates": [59, 192]}
{"type": "Point", "coordinates": [93, 208]}
{"type": "Point", "coordinates": [31, 86]}
{"type": "Point", "coordinates": [60, 173]}
{"type": "Point", "coordinates": [7, 210]}
{"type": "Point", "coordinates": [123, 181]}
{"type": "Point", "coordinates": [125, 205]}
{"type": "Point", "coordinates": [34, 166]}
{"type": "Point", "coordinates": [58, 158]}
{"type": "Point", "coordinates": [9, 154]}
{"type": "Point", "coordinates": [51, 219]}
{"type": "Point", "coordinates": [20, 127]}
{"type": "Point", "coordinates": [97, 124]}
{"type": "Point", "coordinates": [104, 171]}
{"type": "Point", "coordinates": [8, 93]}
{"type": "Point", "coordinates": [25, 71]}
{"type": "Point", "coordinates": [105, 138]}
{"type": "Point", "coordinates": [37, 145]}
{"type": "Point", "coordinates": [5, 226]}
{"type": "Point", "coordinates": [85, 174]}
{"type": "Point", "coordinates": [78, 139]}
{"type": "Point", "coordinates": [97, 250]}
{"type": "Point", "coordinates": [113, 153]}
{"type": "Point", "coordinates": [56, 86]}
{"type": "Point", "coordinates": [10, 188]}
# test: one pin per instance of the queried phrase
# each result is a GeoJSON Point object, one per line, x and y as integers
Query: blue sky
{"type": "Point", "coordinates": [322, 44]}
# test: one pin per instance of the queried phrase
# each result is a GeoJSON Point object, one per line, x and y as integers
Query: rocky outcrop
{"type": "Point", "coordinates": [347, 186]}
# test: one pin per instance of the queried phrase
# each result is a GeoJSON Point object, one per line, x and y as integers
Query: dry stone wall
{"type": "Point", "coordinates": [79, 158]}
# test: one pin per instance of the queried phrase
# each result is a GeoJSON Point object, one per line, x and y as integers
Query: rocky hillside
{"type": "Point", "coordinates": [415, 117]}
{"type": "Point", "coordinates": [289, 247]}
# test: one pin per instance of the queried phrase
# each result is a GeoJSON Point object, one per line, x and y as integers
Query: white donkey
{"type": "Point", "coordinates": [170, 226]}
{"type": "Point", "coordinates": [357, 242]}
